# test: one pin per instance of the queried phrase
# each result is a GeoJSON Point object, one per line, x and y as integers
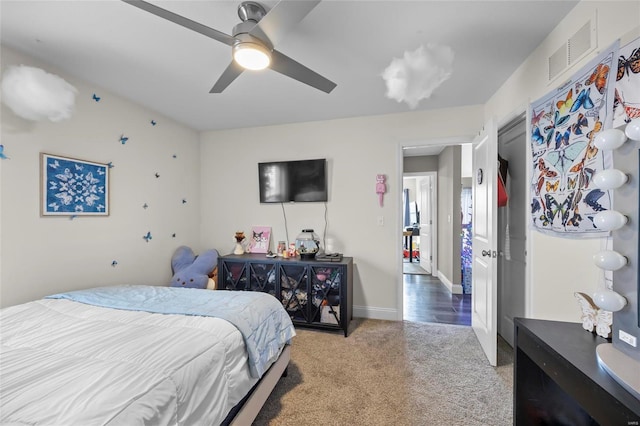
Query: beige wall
{"type": "Point", "coordinates": [357, 149]}
{"type": "Point", "coordinates": [41, 256]}
{"type": "Point", "coordinates": [558, 267]}
{"type": "Point", "coordinates": [449, 226]}
{"type": "Point", "coordinates": [421, 163]}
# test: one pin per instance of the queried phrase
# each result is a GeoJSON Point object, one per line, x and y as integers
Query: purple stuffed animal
{"type": "Point", "coordinates": [190, 270]}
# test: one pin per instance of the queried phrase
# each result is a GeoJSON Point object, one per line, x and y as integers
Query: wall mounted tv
{"type": "Point", "coordinates": [293, 181]}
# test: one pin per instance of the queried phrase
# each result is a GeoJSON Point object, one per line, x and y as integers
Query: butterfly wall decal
{"type": "Point", "coordinates": [583, 100]}
{"type": "Point", "coordinates": [95, 98]}
{"type": "Point", "coordinates": [153, 122]}
{"type": "Point", "coordinates": [593, 318]}
{"type": "Point", "coordinates": [123, 139]}
{"type": "Point", "coordinates": [114, 263]}
{"type": "Point", "coordinates": [145, 206]}
{"type": "Point", "coordinates": [599, 78]}
{"type": "Point", "coordinates": [632, 64]}
{"type": "Point", "coordinates": [157, 175]}
{"type": "Point", "coordinates": [147, 237]}
{"type": "Point", "coordinates": [2, 154]}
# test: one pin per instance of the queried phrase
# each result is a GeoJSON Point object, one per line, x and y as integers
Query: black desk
{"type": "Point", "coordinates": [557, 379]}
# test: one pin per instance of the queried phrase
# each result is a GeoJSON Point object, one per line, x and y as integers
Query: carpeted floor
{"type": "Point", "coordinates": [392, 373]}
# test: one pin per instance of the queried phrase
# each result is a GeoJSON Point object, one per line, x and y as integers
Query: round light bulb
{"type": "Point", "coordinates": [609, 300]}
{"type": "Point", "coordinates": [609, 220]}
{"type": "Point", "coordinates": [610, 139]}
{"type": "Point", "coordinates": [609, 260]}
{"type": "Point", "coordinates": [609, 179]}
{"type": "Point", "coordinates": [633, 129]}
{"type": "Point", "coordinates": [251, 56]}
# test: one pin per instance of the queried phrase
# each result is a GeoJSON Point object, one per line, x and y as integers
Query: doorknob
{"type": "Point", "coordinates": [486, 253]}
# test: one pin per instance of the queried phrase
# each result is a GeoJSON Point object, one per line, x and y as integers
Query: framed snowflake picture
{"type": "Point", "coordinates": [72, 187]}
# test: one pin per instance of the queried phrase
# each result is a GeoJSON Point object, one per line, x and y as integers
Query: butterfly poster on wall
{"type": "Point", "coordinates": [259, 239]}
{"type": "Point", "coordinates": [564, 124]}
{"type": "Point", "coordinates": [626, 105]}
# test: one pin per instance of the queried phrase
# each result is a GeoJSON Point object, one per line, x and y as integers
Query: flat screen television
{"type": "Point", "coordinates": [293, 181]}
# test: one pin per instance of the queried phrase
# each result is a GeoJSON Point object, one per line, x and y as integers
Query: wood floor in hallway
{"type": "Point", "coordinates": [427, 299]}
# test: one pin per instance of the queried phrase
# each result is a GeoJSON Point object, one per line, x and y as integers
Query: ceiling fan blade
{"type": "Point", "coordinates": [181, 20]}
{"type": "Point", "coordinates": [227, 77]}
{"type": "Point", "coordinates": [281, 18]}
{"type": "Point", "coordinates": [287, 66]}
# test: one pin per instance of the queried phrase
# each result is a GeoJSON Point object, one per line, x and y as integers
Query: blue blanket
{"type": "Point", "coordinates": [260, 318]}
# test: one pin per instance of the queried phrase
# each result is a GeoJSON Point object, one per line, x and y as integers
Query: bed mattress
{"type": "Point", "coordinates": [69, 363]}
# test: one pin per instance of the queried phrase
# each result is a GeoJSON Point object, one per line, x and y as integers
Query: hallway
{"type": "Point", "coordinates": [426, 299]}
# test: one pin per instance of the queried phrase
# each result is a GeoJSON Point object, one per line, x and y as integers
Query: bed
{"type": "Point", "coordinates": [134, 355]}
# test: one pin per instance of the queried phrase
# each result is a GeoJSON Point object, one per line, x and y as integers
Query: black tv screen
{"type": "Point", "coordinates": [293, 181]}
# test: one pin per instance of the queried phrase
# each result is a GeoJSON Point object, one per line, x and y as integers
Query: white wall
{"type": "Point", "coordinates": [44, 255]}
{"type": "Point", "coordinates": [356, 149]}
{"type": "Point", "coordinates": [559, 267]}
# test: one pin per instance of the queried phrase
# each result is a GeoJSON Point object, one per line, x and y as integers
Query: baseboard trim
{"type": "Point", "coordinates": [453, 288]}
{"type": "Point", "coordinates": [372, 312]}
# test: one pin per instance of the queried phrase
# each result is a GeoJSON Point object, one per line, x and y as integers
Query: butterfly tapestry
{"type": "Point", "coordinates": [626, 105]}
{"type": "Point", "coordinates": [563, 154]}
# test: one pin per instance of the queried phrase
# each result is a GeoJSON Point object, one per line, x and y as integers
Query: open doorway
{"type": "Point", "coordinates": [512, 227]}
{"type": "Point", "coordinates": [434, 213]}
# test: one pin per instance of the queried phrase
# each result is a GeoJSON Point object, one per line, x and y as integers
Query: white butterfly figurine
{"type": "Point", "coordinates": [594, 317]}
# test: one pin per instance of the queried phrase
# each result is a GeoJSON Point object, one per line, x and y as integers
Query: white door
{"type": "Point", "coordinates": [426, 224]}
{"type": "Point", "coordinates": [484, 300]}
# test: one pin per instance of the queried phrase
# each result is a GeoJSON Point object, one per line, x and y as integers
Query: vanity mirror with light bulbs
{"type": "Point", "coordinates": [621, 359]}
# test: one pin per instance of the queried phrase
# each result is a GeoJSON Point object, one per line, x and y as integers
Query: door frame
{"type": "Point", "coordinates": [528, 273]}
{"type": "Point", "coordinates": [434, 214]}
{"type": "Point", "coordinates": [455, 140]}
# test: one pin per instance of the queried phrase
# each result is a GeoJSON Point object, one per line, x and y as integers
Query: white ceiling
{"type": "Point", "coordinates": [171, 69]}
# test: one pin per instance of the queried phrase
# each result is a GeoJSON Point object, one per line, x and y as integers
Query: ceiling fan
{"type": "Point", "coordinates": [252, 40]}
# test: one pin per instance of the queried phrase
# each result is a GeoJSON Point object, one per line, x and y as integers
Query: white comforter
{"type": "Point", "coordinates": [66, 363]}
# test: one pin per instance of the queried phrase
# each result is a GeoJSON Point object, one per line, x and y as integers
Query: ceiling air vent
{"type": "Point", "coordinates": [580, 43]}
{"type": "Point", "coordinates": [576, 47]}
{"type": "Point", "coordinates": [558, 62]}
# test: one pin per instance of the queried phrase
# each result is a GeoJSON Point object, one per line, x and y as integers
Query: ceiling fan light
{"type": "Point", "coordinates": [251, 56]}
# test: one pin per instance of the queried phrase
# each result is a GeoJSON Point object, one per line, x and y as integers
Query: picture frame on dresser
{"type": "Point", "coordinates": [259, 239]}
